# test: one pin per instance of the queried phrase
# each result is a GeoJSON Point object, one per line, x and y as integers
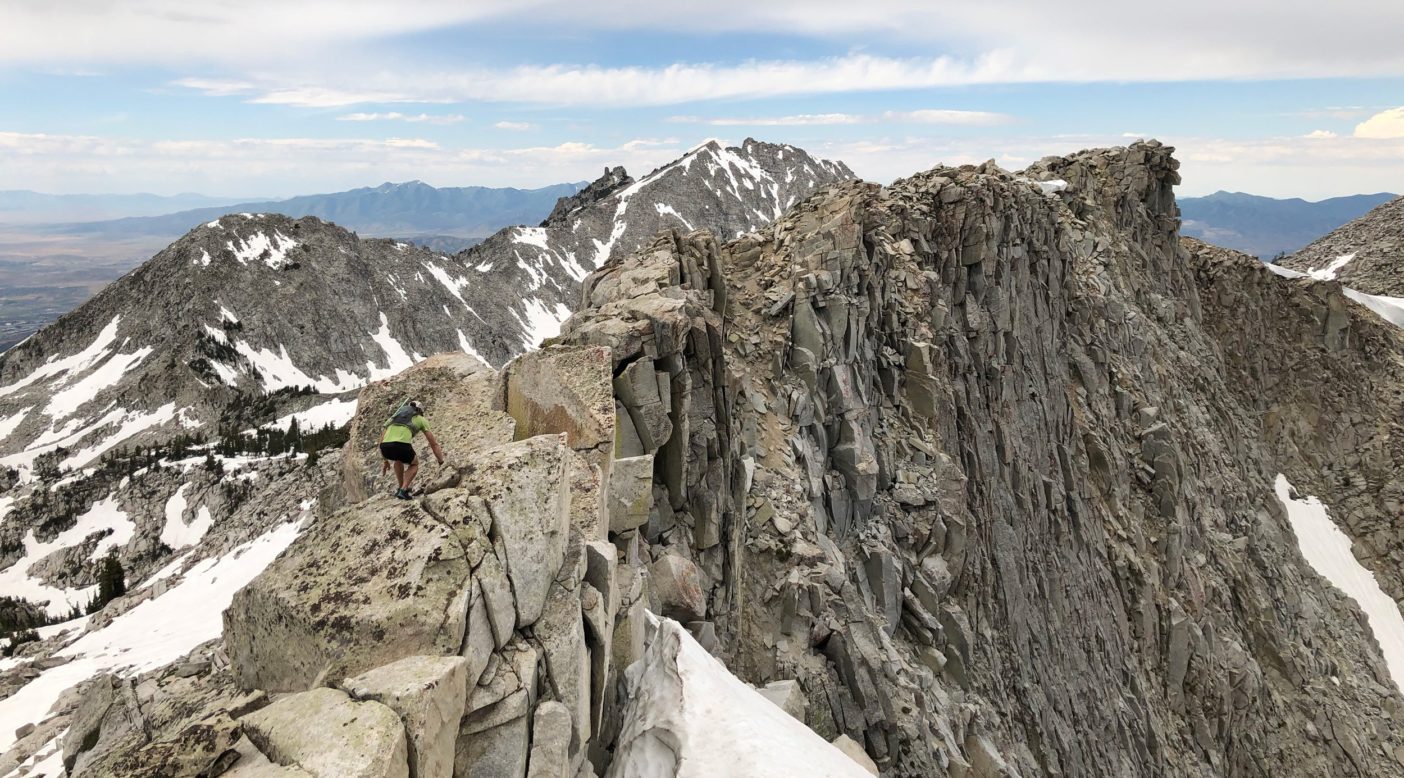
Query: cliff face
{"type": "Point", "coordinates": [983, 465]}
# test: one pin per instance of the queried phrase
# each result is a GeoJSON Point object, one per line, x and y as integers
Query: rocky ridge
{"type": "Point", "coordinates": [1367, 254]}
{"type": "Point", "coordinates": [974, 471]}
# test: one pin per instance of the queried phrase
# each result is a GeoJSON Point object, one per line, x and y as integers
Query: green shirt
{"type": "Point", "coordinates": [399, 433]}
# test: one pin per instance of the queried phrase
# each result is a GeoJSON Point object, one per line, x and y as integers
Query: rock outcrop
{"type": "Point", "coordinates": [1367, 254]}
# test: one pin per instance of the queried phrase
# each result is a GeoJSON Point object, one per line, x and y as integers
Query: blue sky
{"type": "Point", "coordinates": [1285, 98]}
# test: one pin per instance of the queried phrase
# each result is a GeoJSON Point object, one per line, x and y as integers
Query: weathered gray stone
{"type": "Point", "coordinates": [525, 485]}
{"type": "Point", "coordinates": [329, 735]}
{"type": "Point", "coordinates": [429, 694]}
{"type": "Point", "coordinates": [630, 492]}
{"type": "Point", "coordinates": [380, 581]}
{"type": "Point", "coordinates": [550, 742]}
{"type": "Point", "coordinates": [787, 695]}
{"type": "Point", "coordinates": [855, 752]}
{"type": "Point", "coordinates": [675, 589]}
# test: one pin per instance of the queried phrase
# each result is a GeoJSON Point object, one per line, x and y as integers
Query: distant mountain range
{"type": "Point", "coordinates": [389, 210]}
{"type": "Point", "coordinates": [1265, 226]}
{"type": "Point", "coordinates": [22, 206]}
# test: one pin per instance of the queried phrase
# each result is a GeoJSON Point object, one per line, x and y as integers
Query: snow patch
{"type": "Point", "coordinates": [130, 423]}
{"type": "Point", "coordinates": [1327, 549]}
{"type": "Point", "coordinates": [176, 533]}
{"type": "Point", "coordinates": [468, 347]}
{"type": "Point", "coordinates": [531, 236]}
{"type": "Point", "coordinates": [667, 210]}
{"type": "Point", "coordinates": [154, 633]}
{"type": "Point", "coordinates": [95, 352]}
{"type": "Point", "coordinates": [105, 516]}
{"type": "Point", "coordinates": [1391, 309]}
{"type": "Point", "coordinates": [541, 322]}
{"type": "Point", "coordinates": [66, 402]}
{"type": "Point", "coordinates": [337, 413]}
{"type": "Point", "coordinates": [689, 717]}
{"type": "Point", "coordinates": [273, 251]}
{"type": "Point", "coordinates": [10, 423]}
{"type": "Point", "coordinates": [1329, 272]}
{"type": "Point", "coordinates": [397, 358]}
{"type": "Point", "coordinates": [277, 371]}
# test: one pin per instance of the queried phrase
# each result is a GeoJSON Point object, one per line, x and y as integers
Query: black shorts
{"type": "Point", "coordinates": [398, 452]}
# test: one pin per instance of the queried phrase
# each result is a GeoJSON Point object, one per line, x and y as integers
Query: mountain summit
{"type": "Point", "coordinates": [250, 304]}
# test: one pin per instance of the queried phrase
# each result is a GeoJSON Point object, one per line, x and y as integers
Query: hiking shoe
{"type": "Point", "coordinates": [403, 494]}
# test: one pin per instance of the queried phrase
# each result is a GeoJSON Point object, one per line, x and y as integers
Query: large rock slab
{"type": "Point", "coordinates": [562, 389]}
{"type": "Point", "coordinates": [375, 583]}
{"type": "Point", "coordinates": [550, 741]}
{"type": "Point", "coordinates": [329, 735]}
{"type": "Point", "coordinates": [528, 493]}
{"type": "Point", "coordinates": [675, 587]}
{"type": "Point", "coordinates": [429, 694]}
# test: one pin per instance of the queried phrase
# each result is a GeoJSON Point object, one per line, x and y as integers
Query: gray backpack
{"type": "Point", "coordinates": [405, 415]}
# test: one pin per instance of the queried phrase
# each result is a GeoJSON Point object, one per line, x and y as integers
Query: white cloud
{"type": "Point", "coordinates": [504, 125]}
{"type": "Point", "coordinates": [926, 116]}
{"type": "Point", "coordinates": [396, 116]}
{"type": "Point", "coordinates": [286, 166]}
{"type": "Point", "coordinates": [1342, 112]}
{"type": "Point", "coordinates": [1327, 134]}
{"type": "Point", "coordinates": [1385, 124]}
{"type": "Point", "coordinates": [1012, 40]}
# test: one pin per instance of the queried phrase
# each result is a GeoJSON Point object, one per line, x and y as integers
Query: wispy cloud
{"type": "Point", "coordinates": [505, 125]}
{"type": "Point", "coordinates": [926, 116]}
{"type": "Point", "coordinates": [396, 116]}
{"type": "Point", "coordinates": [295, 165]}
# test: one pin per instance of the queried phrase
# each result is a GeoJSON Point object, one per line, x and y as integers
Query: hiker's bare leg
{"type": "Point", "coordinates": [409, 474]}
{"type": "Point", "coordinates": [400, 474]}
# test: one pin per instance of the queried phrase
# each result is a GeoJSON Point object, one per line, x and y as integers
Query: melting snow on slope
{"type": "Point", "coordinates": [154, 633]}
{"type": "Point", "coordinates": [689, 717]}
{"type": "Point", "coordinates": [336, 413]}
{"type": "Point", "coordinates": [532, 236]}
{"type": "Point", "coordinates": [99, 348]}
{"type": "Point", "coordinates": [273, 251]}
{"type": "Point", "coordinates": [398, 359]}
{"type": "Point", "coordinates": [66, 402]}
{"type": "Point", "coordinates": [468, 347]}
{"type": "Point", "coordinates": [1327, 550]}
{"type": "Point", "coordinates": [541, 322]}
{"type": "Point", "coordinates": [176, 533]}
{"type": "Point", "coordinates": [8, 424]}
{"type": "Point", "coordinates": [131, 423]}
{"type": "Point", "coordinates": [1329, 272]}
{"type": "Point", "coordinates": [277, 371]}
{"type": "Point", "coordinates": [104, 516]}
{"type": "Point", "coordinates": [667, 210]}
{"type": "Point", "coordinates": [1391, 309]}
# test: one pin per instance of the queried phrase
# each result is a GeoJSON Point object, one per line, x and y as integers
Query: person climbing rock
{"type": "Point", "coordinates": [397, 445]}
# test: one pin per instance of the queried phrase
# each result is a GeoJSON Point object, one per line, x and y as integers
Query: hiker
{"type": "Point", "coordinates": [397, 445]}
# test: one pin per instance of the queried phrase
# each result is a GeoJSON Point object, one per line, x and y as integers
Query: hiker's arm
{"type": "Point", "coordinates": [434, 444]}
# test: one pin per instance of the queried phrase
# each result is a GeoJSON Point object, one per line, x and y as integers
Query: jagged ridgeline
{"type": "Point", "coordinates": [975, 474]}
